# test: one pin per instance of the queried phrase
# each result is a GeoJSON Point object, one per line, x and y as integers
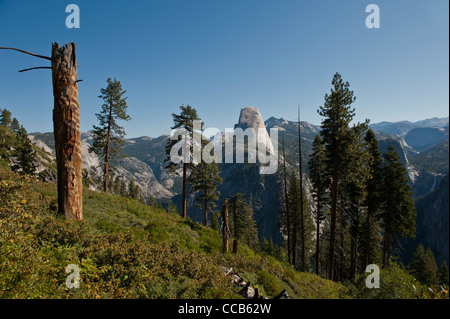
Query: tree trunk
{"type": "Point", "coordinates": [386, 248]}
{"type": "Point", "coordinates": [302, 224]}
{"type": "Point", "coordinates": [108, 139]}
{"type": "Point", "coordinates": [205, 212]}
{"type": "Point", "coordinates": [288, 224]}
{"type": "Point", "coordinates": [317, 236]}
{"type": "Point", "coordinates": [334, 198]}
{"type": "Point", "coordinates": [66, 125]}
{"type": "Point", "coordinates": [225, 227]}
{"type": "Point", "coordinates": [184, 190]}
{"type": "Point", "coordinates": [367, 243]}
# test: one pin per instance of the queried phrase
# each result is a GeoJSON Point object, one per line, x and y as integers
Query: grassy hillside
{"type": "Point", "coordinates": [125, 249]}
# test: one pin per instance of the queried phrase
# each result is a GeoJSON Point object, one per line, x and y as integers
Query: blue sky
{"type": "Point", "coordinates": [220, 56]}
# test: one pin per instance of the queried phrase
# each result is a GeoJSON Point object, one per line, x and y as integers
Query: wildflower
{"type": "Point", "coordinates": [23, 202]}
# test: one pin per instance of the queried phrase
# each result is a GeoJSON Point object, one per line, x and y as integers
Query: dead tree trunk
{"type": "Point", "coordinates": [66, 125]}
{"type": "Point", "coordinates": [225, 227]}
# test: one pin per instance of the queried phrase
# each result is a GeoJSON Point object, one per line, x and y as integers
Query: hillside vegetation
{"type": "Point", "coordinates": [126, 249]}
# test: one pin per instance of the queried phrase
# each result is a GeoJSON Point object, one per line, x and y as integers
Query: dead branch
{"type": "Point", "coordinates": [26, 52]}
{"type": "Point", "coordinates": [35, 68]}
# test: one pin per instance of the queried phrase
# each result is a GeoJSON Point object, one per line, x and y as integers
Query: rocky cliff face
{"type": "Point", "coordinates": [432, 224]}
{"type": "Point", "coordinates": [250, 117]}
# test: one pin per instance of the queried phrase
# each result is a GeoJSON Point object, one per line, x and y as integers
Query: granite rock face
{"type": "Point", "coordinates": [250, 117]}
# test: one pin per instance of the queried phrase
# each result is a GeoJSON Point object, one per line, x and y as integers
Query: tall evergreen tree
{"type": "Point", "coordinates": [5, 117]}
{"type": "Point", "coordinates": [423, 266]}
{"type": "Point", "coordinates": [285, 221]}
{"type": "Point", "coordinates": [243, 225]}
{"type": "Point", "coordinates": [294, 212]}
{"type": "Point", "coordinates": [354, 186]}
{"type": "Point", "coordinates": [317, 170]}
{"type": "Point", "coordinates": [302, 210]}
{"type": "Point", "coordinates": [373, 200]}
{"type": "Point", "coordinates": [336, 136]}
{"type": "Point", "coordinates": [204, 179]}
{"type": "Point", "coordinates": [25, 154]}
{"type": "Point", "coordinates": [109, 136]}
{"type": "Point", "coordinates": [398, 209]}
{"type": "Point", "coordinates": [15, 125]}
{"type": "Point", "coordinates": [443, 274]}
{"type": "Point", "coordinates": [185, 120]}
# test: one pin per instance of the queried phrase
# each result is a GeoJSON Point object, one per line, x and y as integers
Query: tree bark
{"type": "Point", "coordinates": [367, 243]}
{"type": "Point", "coordinates": [286, 200]}
{"type": "Point", "coordinates": [108, 139]}
{"type": "Point", "coordinates": [205, 211]}
{"type": "Point", "coordinates": [184, 190]}
{"type": "Point", "coordinates": [302, 222]}
{"type": "Point", "coordinates": [334, 198]}
{"type": "Point", "coordinates": [225, 227]}
{"type": "Point", "coordinates": [66, 124]}
{"type": "Point", "coordinates": [317, 237]}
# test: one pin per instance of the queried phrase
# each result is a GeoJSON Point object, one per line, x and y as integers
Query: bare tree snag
{"type": "Point", "coordinates": [225, 227]}
{"type": "Point", "coordinates": [66, 125]}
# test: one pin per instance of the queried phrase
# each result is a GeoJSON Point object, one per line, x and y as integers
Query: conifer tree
{"type": "Point", "coordinates": [398, 209]}
{"type": "Point", "coordinates": [354, 185]}
{"type": "Point", "coordinates": [423, 266]}
{"type": "Point", "coordinates": [5, 117]}
{"type": "Point", "coordinates": [295, 210]}
{"type": "Point", "coordinates": [108, 136]}
{"type": "Point", "coordinates": [25, 154]}
{"type": "Point", "coordinates": [443, 274]}
{"type": "Point", "coordinates": [317, 170]}
{"type": "Point", "coordinates": [243, 225]}
{"type": "Point", "coordinates": [185, 120]}
{"type": "Point", "coordinates": [285, 221]}
{"type": "Point", "coordinates": [205, 178]}
{"type": "Point", "coordinates": [336, 136]}
{"type": "Point", "coordinates": [373, 198]}
{"type": "Point", "coordinates": [15, 125]}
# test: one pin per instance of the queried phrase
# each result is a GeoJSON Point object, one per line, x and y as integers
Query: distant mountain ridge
{"type": "Point", "coordinates": [403, 127]}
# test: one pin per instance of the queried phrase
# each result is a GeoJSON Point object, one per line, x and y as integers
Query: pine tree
{"type": "Point", "coordinates": [354, 185]}
{"type": "Point", "coordinates": [336, 136]}
{"type": "Point", "coordinates": [443, 274]}
{"type": "Point", "coordinates": [185, 120]}
{"type": "Point", "coordinates": [25, 154]}
{"type": "Point", "coordinates": [285, 221]}
{"type": "Point", "coordinates": [15, 125]}
{"type": "Point", "coordinates": [423, 266]}
{"type": "Point", "coordinates": [302, 216]}
{"type": "Point", "coordinates": [243, 226]}
{"type": "Point", "coordinates": [398, 209]}
{"type": "Point", "coordinates": [295, 203]}
{"type": "Point", "coordinates": [108, 136]}
{"type": "Point", "coordinates": [5, 118]}
{"type": "Point", "coordinates": [373, 198]}
{"type": "Point", "coordinates": [204, 179]}
{"type": "Point", "coordinates": [317, 170]}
